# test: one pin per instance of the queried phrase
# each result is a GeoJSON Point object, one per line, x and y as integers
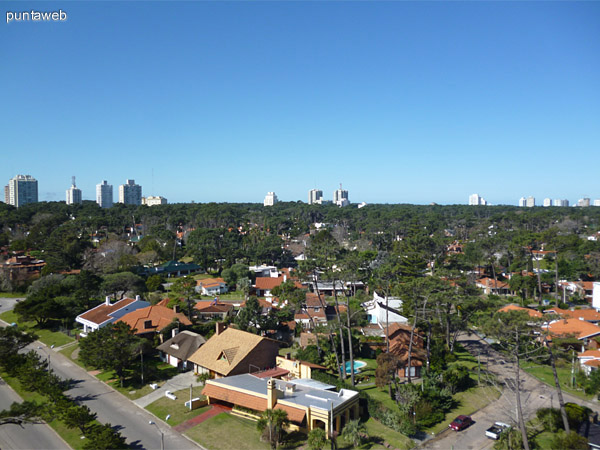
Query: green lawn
{"type": "Point", "coordinates": [545, 375]}
{"type": "Point", "coordinates": [379, 432]}
{"type": "Point", "coordinates": [70, 435]}
{"type": "Point", "coordinates": [12, 295]}
{"type": "Point", "coordinates": [46, 336]}
{"type": "Point", "coordinates": [176, 408]}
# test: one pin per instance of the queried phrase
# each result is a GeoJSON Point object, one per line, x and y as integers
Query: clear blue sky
{"type": "Point", "coordinates": [402, 102]}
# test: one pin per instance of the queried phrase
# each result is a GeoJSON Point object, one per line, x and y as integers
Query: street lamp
{"type": "Point", "coordinates": [46, 353]}
{"type": "Point", "coordinates": [162, 435]}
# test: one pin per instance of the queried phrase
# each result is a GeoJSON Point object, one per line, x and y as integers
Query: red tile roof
{"type": "Point", "coordinates": [588, 314]}
{"type": "Point", "coordinates": [531, 312]}
{"type": "Point", "coordinates": [578, 328]}
{"type": "Point", "coordinates": [159, 318]}
{"type": "Point", "coordinates": [102, 313]}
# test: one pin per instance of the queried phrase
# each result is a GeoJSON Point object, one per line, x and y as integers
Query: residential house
{"type": "Point", "coordinates": [107, 313]}
{"type": "Point", "coordinates": [491, 286]}
{"type": "Point", "coordinates": [264, 271]}
{"type": "Point", "coordinates": [307, 407]}
{"type": "Point", "coordinates": [381, 311]}
{"type": "Point", "coordinates": [313, 314]}
{"type": "Point", "coordinates": [177, 350]}
{"type": "Point", "coordinates": [399, 338]}
{"type": "Point", "coordinates": [232, 352]}
{"type": "Point", "coordinates": [22, 267]}
{"type": "Point", "coordinates": [587, 314]}
{"type": "Point", "coordinates": [589, 360]}
{"type": "Point", "coordinates": [213, 309]}
{"type": "Point", "coordinates": [153, 319]}
{"type": "Point", "coordinates": [211, 286]}
{"type": "Point", "coordinates": [578, 329]}
{"type": "Point", "coordinates": [264, 285]}
{"type": "Point", "coordinates": [297, 368]}
{"type": "Point", "coordinates": [532, 312]}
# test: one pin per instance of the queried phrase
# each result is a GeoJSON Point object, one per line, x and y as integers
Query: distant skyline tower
{"type": "Point", "coordinates": [476, 200]}
{"type": "Point", "coordinates": [130, 193]}
{"type": "Point", "coordinates": [104, 194]}
{"type": "Point", "coordinates": [547, 202]}
{"type": "Point", "coordinates": [340, 197]}
{"type": "Point", "coordinates": [561, 202]}
{"type": "Point", "coordinates": [530, 202]}
{"type": "Point", "coordinates": [270, 199]}
{"type": "Point", "coordinates": [73, 193]}
{"type": "Point", "coordinates": [22, 189]}
{"type": "Point", "coordinates": [522, 202]}
{"type": "Point", "coordinates": [315, 196]}
{"type": "Point", "coordinates": [584, 202]}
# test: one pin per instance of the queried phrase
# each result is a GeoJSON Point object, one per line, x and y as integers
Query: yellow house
{"type": "Point", "coordinates": [296, 368]}
{"type": "Point", "coordinates": [307, 407]}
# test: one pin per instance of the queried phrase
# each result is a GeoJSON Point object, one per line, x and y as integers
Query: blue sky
{"type": "Point", "coordinates": [402, 102]}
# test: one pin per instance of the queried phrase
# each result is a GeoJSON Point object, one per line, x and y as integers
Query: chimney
{"type": "Point", "coordinates": [271, 394]}
{"type": "Point", "coordinates": [138, 298]}
{"type": "Point", "coordinates": [176, 309]}
{"type": "Point", "coordinates": [220, 328]}
{"type": "Point", "coordinates": [288, 355]}
{"type": "Point", "coordinates": [174, 332]}
{"type": "Point", "coordinates": [107, 301]}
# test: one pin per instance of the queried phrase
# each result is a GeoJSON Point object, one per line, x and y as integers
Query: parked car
{"type": "Point", "coordinates": [460, 423]}
{"type": "Point", "coordinates": [496, 430]}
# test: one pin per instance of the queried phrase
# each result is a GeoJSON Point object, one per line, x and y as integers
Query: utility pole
{"type": "Point", "coordinates": [190, 396]}
{"type": "Point", "coordinates": [142, 358]}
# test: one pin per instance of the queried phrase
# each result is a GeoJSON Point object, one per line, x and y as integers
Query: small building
{"type": "Point", "coordinates": [381, 310]}
{"type": "Point", "coordinates": [107, 313]}
{"type": "Point", "coordinates": [213, 309]}
{"type": "Point", "coordinates": [177, 350]}
{"type": "Point", "coordinates": [491, 286]}
{"type": "Point", "coordinates": [211, 286]}
{"type": "Point", "coordinates": [307, 407]}
{"type": "Point", "coordinates": [578, 329]}
{"type": "Point", "coordinates": [22, 267]}
{"type": "Point", "coordinates": [399, 337]}
{"type": "Point", "coordinates": [232, 352]}
{"type": "Point", "coordinates": [153, 319]}
{"type": "Point", "coordinates": [297, 368]}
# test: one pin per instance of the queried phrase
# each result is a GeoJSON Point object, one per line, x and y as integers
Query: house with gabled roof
{"type": "Point", "coordinates": [211, 286]}
{"type": "Point", "coordinates": [587, 314]}
{"type": "Point", "coordinates": [589, 360]}
{"type": "Point", "coordinates": [578, 329]}
{"type": "Point", "coordinates": [107, 313]}
{"type": "Point", "coordinates": [532, 312]}
{"type": "Point", "coordinates": [213, 309]}
{"type": "Point", "coordinates": [491, 286]}
{"type": "Point", "coordinates": [232, 352]}
{"type": "Point", "coordinates": [153, 319]}
{"type": "Point", "coordinates": [177, 350]}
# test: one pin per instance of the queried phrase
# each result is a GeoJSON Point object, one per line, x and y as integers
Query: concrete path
{"type": "Point", "coordinates": [212, 412]}
{"type": "Point", "coordinates": [178, 382]}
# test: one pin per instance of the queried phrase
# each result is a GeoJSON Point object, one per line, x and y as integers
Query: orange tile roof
{"type": "Point", "coordinates": [102, 313]}
{"type": "Point", "coordinates": [578, 328]}
{"type": "Point", "coordinates": [586, 314]}
{"type": "Point", "coordinates": [159, 316]}
{"type": "Point", "coordinates": [592, 363]}
{"type": "Point", "coordinates": [531, 312]}
{"type": "Point", "coordinates": [268, 283]}
{"type": "Point", "coordinates": [494, 284]}
{"type": "Point", "coordinates": [210, 282]}
{"type": "Point", "coordinates": [589, 354]}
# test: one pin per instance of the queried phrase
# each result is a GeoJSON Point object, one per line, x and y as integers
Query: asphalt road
{"type": "Point", "coordinates": [29, 436]}
{"type": "Point", "coordinates": [534, 395]}
{"type": "Point", "coordinates": [6, 304]}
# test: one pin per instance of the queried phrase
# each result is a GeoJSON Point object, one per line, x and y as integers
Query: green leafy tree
{"type": "Point", "coordinates": [184, 287]}
{"type": "Point", "coordinates": [354, 431]}
{"type": "Point", "coordinates": [154, 283]}
{"type": "Point", "coordinates": [12, 341]}
{"type": "Point", "coordinates": [22, 413]}
{"type": "Point", "coordinates": [272, 424]}
{"type": "Point", "coordinates": [569, 441]}
{"type": "Point", "coordinates": [103, 437]}
{"type": "Point", "coordinates": [114, 347]}
{"type": "Point", "coordinates": [122, 283]}
{"type": "Point", "coordinates": [317, 439]}
{"type": "Point", "coordinates": [78, 416]}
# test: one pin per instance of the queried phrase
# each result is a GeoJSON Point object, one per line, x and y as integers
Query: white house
{"type": "Point", "coordinates": [589, 360]}
{"type": "Point", "coordinates": [106, 313]}
{"type": "Point", "coordinates": [211, 286]}
{"type": "Point", "coordinates": [378, 311]}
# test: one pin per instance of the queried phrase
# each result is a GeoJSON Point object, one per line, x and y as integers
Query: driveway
{"type": "Point", "coordinates": [534, 395]}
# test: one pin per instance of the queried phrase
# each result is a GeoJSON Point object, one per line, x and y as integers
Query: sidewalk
{"type": "Point", "coordinates": [178, 382]}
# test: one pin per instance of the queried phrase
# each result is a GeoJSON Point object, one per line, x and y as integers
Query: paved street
{"type": "Point", "coordinates": [178, 382]}
{"type": "Point", "coordinates": [29, 436]}
{"type": "Point", "coordinates": [534, 395]}
{"type": "Point", "coordinates": [6, 304]}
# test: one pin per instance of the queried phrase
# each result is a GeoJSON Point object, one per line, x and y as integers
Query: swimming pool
{"type": "Point", "coordinates": [357, 366]}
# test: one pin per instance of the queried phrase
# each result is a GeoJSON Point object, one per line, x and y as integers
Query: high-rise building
{"type": "Point", "coordinates": [547, 202]}
{"type": "Point", "coordinates": [152, 201]}
{"type": "Point", "coordinates": [104, 194]}
{"type": "Point", "coordinates": [73, 193]}
{"type": "Point", "coordinates": [476, 200]}
{"type": "Point", "coordinates": [583, 202]}
{"type": "Point", "coordinates": [530, 202]}
{"type": "Point", "coordinates": [315, 196]}
{"type": "Point", "coordinates": [130, 193]}
{"type": "Point", "coordinates": [22, 189]}
{"type": "Point", "coordinates": [270, 199]}
{"type": "Point", "coordinates": [6, 194]}
{"type": "Point", "coordinates": [522, 202]}
{"type": "Point", "coordinates": [597, 202]}
{"type": "Point", "coordinates": [340, 197]}
{"type": "Point", "coordinates": [561, 202]}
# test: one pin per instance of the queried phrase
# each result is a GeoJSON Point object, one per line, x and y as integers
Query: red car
{"type": "Point", "coordinates": [460, 423]}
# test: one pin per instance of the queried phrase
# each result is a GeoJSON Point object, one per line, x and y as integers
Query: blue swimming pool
{"type": "Point", "coordinates": [357, 366]}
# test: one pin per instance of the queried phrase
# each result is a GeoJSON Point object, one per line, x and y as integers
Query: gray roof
{"type": "Point", "coordinates": [302, 395]}
{"type": "Point", "coordinates": [182, 345]}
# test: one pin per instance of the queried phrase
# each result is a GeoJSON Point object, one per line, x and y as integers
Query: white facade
{"type": "Point", "coordinates": [561, 202]}
{"type": "Point", "coordinates": [73, 194]}
{"type": "Point", "coordinates": [22, 189]}
{"type": "Point", "coordinates": [597, 202]}
{"type": "Point", "coordinates": [583, 202]}
{"type": "Point", "coordinates": [130, 193]}
{"type": "Point", "coordinates": [315, 196]}
{"type": "Point", "coordinates": [522, 202]}
{"type": "Point", "coordinates": [153, 201]}
{"type": "Point", "coordinates": [340, 197]}
{"type": "Point", "coordinates": [380, 313]}
{"type": "Point", "coordinates": [476, 200]}
{"type": "Point", "coordinates": [270, 199]}
{"type": "Point", "coordinates": [530, 202]}
{"type": "Point", "coordinates": [547, 202]}
{"type": "Point", "coordinates": [114, 312]}
{"type": "Point", "coordinates": [104, 194]}
{"type": "Point", "coordinates": [596, 296]}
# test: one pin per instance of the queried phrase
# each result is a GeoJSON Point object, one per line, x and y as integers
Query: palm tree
{"type": "Point", "coordinates": [330, 361]}
{"type": "Point", "coordinates": [317, 439]}
{"type": "Point", "coordinates": [271, 425]}
{"type": "Point", "coordinates": [353, 432]}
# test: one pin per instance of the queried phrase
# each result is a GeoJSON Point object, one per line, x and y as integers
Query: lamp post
{"type": "Point", "coordinates": [162, 435]}
{"type": "Point", "coordinates": [46, 353]}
